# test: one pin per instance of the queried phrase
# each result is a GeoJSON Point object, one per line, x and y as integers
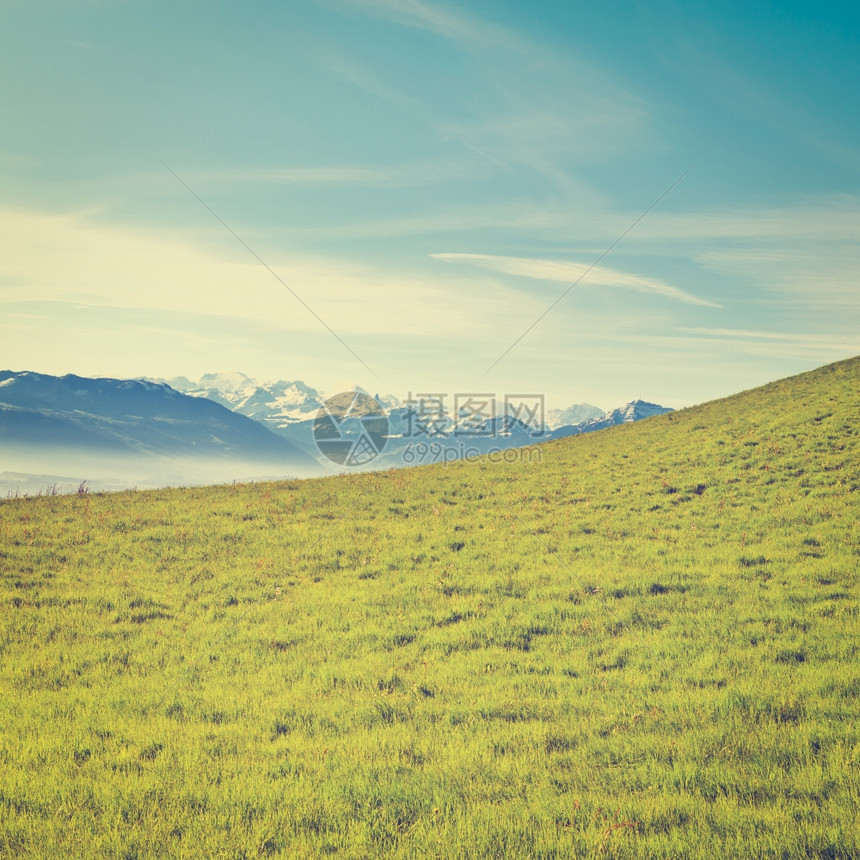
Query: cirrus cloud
{"type": "Point", "coordinates": [571, 272]}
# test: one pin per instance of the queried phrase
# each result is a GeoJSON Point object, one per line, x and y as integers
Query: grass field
{"type": "Point", "coordinates": [639, 643]}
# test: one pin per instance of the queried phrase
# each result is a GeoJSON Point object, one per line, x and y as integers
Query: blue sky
{"type": "Point", "coordinates": [429, 178]}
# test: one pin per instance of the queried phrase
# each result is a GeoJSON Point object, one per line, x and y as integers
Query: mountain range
{"type": "Point", "coordinates": [279, 404]}
{"type": "Point", "coordinates": [282, 403]}
{"type": "Point", "coordinates": [290, 410]}
{"type": "Point", "coordinates": [227, 426]}
{"type": "Point", "coordinates": [275, 404]}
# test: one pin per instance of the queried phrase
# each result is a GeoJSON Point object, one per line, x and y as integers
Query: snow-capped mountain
{"type": "Point", "coordinates": [275, 404]}
{"type": "Point", "coordinates": [291, 410]}
{"type": "Point", "coordinates": [636, 410]}
{"type": "Point", "coordinates": [226, 425]}
{"type": "Point", "coordinates": [579, 413]}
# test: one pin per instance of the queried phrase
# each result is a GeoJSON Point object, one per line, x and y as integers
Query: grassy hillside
{"type": "Point", "coordinates": [643, 643]}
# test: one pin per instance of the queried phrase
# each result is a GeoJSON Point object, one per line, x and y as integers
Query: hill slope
{"type": "Point", "coordinates": [640, 643]}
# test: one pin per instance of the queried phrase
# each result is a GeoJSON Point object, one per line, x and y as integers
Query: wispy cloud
{"type": "Point", "coordinates": [534, 107]}
{"type": "Point", "coordinates": [805, 254]}
{"type": "Point", "coordinates": [806, 273]}
{"type": "Point", "coordinates": [817, 348]}
{"type": "Point", "coordinates": [569, 272]}
{"type": "Point", "coordinates": [76, 258]}
{"type": "Point", "coordinates": [831, 218]}
{"type": "Point", "coordinates": [803, 258]}
{"type": "Point", "coordinates": [84, 46]}
{"type": "Point", "coordinates": [828, 223]}
{"type": "Point", "coordinates": [552, 113]}
{"type": "Point", "coordinates": [827, 343]}
{"type": "Point", "coordinates": [447, 21]}
{"type": "Point", "coordinates": [407, 175]}
{"type": "Point", "coordinates": [723, 78]}
{"type": "Point", "coordinates": [522, 217]}
{"type": "Point", "coordinates": [297, 175]}
{"type": "Point", "coordinates": [358, 75]}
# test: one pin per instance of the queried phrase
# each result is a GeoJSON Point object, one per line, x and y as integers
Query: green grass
{"type": "Point", "coordinates": [641, 644]}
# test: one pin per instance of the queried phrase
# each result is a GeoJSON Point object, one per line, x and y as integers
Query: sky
{"type": "Point", "coordinates": [593, 202]}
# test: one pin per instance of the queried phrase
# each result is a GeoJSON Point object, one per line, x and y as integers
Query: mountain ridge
{"type": "Point", "coordinates": [134, 415]}
{"type": "Point", "coordinates": [281, 405]}
{"type": "Point", "coordinates": [229, 416]}
{"type": "Point", "coordinates": [127, 432]}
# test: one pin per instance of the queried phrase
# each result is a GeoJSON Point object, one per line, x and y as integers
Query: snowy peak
{"type": "Point", "coordinates": [276, 404]}
{"type": "Point", "coordinates": [226, 383]}
{"type": "Point", "coordinates": [289, 408]}
{"type": "Point", "coordinates": [576, 414]}
{"type": "Point", "coordinates": [636, 410]}
{"type": "Point", "coordinates": [387, 401]}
